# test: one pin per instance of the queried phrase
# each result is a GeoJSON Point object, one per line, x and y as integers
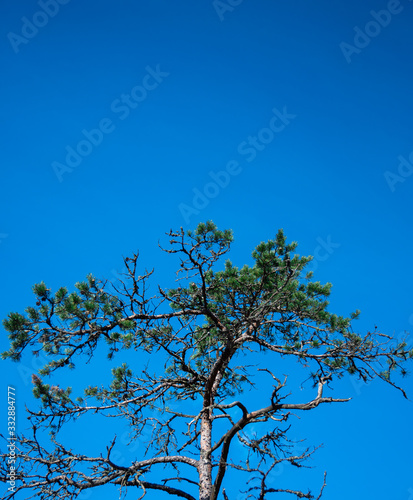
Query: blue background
{"type": "Point", "coordinates": [331, 175]}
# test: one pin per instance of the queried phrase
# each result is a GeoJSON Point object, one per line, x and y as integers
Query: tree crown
{"type": "Point", "coordinates": [200, 327]}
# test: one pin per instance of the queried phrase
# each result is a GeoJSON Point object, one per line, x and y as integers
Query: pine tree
{"type": "Point", "coordinates": [204, 330]}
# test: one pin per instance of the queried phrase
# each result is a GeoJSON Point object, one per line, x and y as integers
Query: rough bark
{"type": "Point", "coordinates": [205, 466]}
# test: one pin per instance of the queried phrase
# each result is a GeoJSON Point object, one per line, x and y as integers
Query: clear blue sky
{"type": "Point", "coordinates": [119, 119]}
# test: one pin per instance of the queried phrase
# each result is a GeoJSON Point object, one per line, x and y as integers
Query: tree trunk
{"type": "Point", "coordinates": [205, 468]}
